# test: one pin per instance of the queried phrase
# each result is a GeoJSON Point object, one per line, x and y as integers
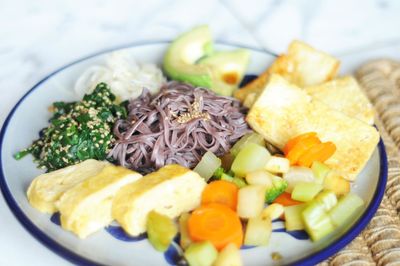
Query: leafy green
{"type": "Point", "coordinates": [78, 131]}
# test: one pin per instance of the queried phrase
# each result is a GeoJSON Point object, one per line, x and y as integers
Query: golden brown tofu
{"type": "Point", "coordinates": [283, 111]}
{"type": "Point", "coordinates": [344, 95]}
{"type": "Point", "coordinates": [302, 65]}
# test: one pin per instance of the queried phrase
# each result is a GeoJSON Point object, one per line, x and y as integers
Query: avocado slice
{"type": "Point", "coordinates": [227, 68]}
{"type": "Point", "coordinates": [182, 54]}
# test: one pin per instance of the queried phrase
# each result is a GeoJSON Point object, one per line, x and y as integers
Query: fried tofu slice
{"type": "Point", "coordinates": [344, 95]}
{"type": "Point", "coordinates": [302, 65]}
{"type": "Point", "coordinates": [171, 191]}
{"type": "Point", "coordinates": [86, 208]}
{"type": "Point", "coordinates": [283, 111]}
{"type": "Point", "coordinates": [47, 188]}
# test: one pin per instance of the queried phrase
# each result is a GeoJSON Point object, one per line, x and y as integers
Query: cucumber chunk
{"type": "Point", "coordinates": [201, 254]}
{"type": "Point", "coordinates": [160, 230]}
{"type": "Point", "coordinates": [246, 139]}
{"type": "Point", "coordinates": [320, 171]}
{"type": "Point", "coordinates": [306, 191]}
{"type": "Point", "coordinates": [251, 158]}
{"type": "Point", "coordinates": [346, 207]}
{"type": "Point", "coordinates": [293, 217]}
{"type": "Point", "coordinates": [317, 222]}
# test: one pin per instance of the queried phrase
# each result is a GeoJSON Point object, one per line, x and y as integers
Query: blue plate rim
{"type": "Point", "coordinates": [69, 255]}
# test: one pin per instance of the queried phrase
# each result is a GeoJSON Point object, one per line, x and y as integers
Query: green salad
{"type": "Point", "coordinates": [78, 131]}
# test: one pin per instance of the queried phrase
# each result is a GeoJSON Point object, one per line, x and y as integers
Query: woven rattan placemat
{"type": "Point", "coordinates": [379, 243]}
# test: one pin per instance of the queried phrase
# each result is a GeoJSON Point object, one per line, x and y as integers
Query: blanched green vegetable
{"type": "Point", "coordinates": [160, 230]}
{"type": "Point", "coordinates": [246, 139]}
{"type": "Point", "coordinates": [207, 166]}
{"type": "Point", "coordinates": [279, 186]}
{"type": "Point", "coordinates": [251, 158]}
{"type": "Point", "coordinates": [201, 254]}
{"type": "Point", "coordinates": [298, 174]}
{"type": "Point", "coordinates": [306, 191]}
{"type": "Point", "coordinates": [78, 131]}
{"type": "Point", "coordinates": [327, 198]}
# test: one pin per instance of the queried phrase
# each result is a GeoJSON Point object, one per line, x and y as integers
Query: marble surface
{"type": "Point", "coordinates": [39, 36]}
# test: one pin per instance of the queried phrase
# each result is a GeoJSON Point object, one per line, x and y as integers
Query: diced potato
{"type": "Point", "coordinates": [273, 211]}
{"type": "Point", "coordinates": [277, 165]}
{"type": "Point", "coordinates": [336, 183]}
{"type": "Point", "coordinates": [201, 254]}
{"type": "Point", "coordinates": [252, 157]}
{"type": "Point", "coordinates": [297, 174]}
{"type": "Point", "coordinates": [293, 218]}
{"type": "Point", "coordinates": [259, 177]}
{"type": "Point", "coordinates": [185, 240]}
{"type": "Point", "coordinates": [306, 191]}
{"type": "Point", "coordinates": [258, 232]}
{"type": "Point", "coordinates": [229, 256]}
{"type": "Point", "coordinates": [250, 201]}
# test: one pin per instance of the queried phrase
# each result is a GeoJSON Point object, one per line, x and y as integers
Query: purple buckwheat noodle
{"type": "Point", "coordinates": [178, 125]}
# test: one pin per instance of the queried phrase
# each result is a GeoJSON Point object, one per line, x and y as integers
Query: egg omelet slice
{"type": "Point", "coordinates": [284, 111]}
{"type": "Point", "coordinates": [171, 191]}
{"type": "Point", "coordinates": [47, 188]}
{"type": "Point", "coordinates": [86, 208]}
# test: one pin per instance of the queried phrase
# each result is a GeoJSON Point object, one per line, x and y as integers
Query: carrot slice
{"type": "Point", "coordinates": [320, 152]}
{"type": "Point", "coordinates": [221, 191]}
{"type": "Point", "coordinates": [290, 144]}
{"type": "Point", "coordinates": [285, 199]}
{"type": "Point", "coordinates": [301, 147]}
{"type": "Point", "coordinates": [216, 223]}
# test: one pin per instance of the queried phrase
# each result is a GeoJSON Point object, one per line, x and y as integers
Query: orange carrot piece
{"type": "Point", "coordinates": [285, 199]}
{"type": "Point", "coordinates": [300, 148]}
{"type": "Point", "coordinates": [290, 144]}
{"type": "Point", "coordinates": [221, 191]}
{"type": "Point", "coordinates": [320, 152]}
{"type": "Point", "coordinates": [216, 223]}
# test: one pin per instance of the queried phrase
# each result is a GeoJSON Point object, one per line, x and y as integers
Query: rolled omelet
{"type": "Point", "coordinates": [171, 191]}
{"type": "Point", "coordinates": [86, 207]}
{"type": "Point", "coordinates": [284, 111]}
{"type": "Point", "coordinates": [47, 188]}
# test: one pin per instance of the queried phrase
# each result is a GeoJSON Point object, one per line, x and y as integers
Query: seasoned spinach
{"type": "Point", "coordinates": [78, 131]}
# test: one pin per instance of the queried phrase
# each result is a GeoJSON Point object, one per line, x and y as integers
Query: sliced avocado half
{"type": "Point", "coordinates": [227, 68]}
{"type": "Point", "coordinates": [182, 54]}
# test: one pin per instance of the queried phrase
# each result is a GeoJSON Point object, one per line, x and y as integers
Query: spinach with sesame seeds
{"type": "Point", "coordinates": [78, 131]}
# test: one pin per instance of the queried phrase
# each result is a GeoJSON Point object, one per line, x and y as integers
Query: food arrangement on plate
{"type": "Point", "coordinates": [202, 157]}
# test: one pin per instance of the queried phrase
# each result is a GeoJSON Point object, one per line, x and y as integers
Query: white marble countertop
{"type": "Point", "coordinates": [39, 36]}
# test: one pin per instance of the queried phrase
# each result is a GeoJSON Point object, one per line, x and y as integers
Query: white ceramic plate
{"type": "Point", "coordinates": [111, 246]}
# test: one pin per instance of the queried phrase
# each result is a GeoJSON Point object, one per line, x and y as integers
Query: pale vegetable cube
{"type": "Point", "coordinates": [201, 254]}
{"type": "Point", "coordinates": [273, 211]}
{"type": "Point", "coordinates": [306, 191]}
{"type": "Point", "coordinates": [347, 207]}
{"type": "Point", "coordinates": [229, 256]}
{"type": "Point", "coordinates": [250, 201]}
{"type": "Point", "coordinates": [277, 165]}
{"type": "Point", "coordinates": [297, 174]}
{"type": "Point", "coordinates": [334, 182]}
{"type": "Point", "coordinates": [259, 177]}
{"type": "Point", "coordinates": [317, 222]}
{"type": "Point", "coordinates": [185, 240]}
{"type": "Point", "coordinates": [246, 139]}
{"type": "Point", "coordinates": [160, 230]}
{"type": "Point", "coordinates": [258, 232]}
{"type": "Point", "coordinates": [293, 218]}
{"type": "Point", "coordinates": [208, 164]}
{"type": "Point", "coordinates": [251, 158]}
{"type": "Point", "coordinates": [327, 198]}
{"type": "Point", "coordinates": [320, 171]}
